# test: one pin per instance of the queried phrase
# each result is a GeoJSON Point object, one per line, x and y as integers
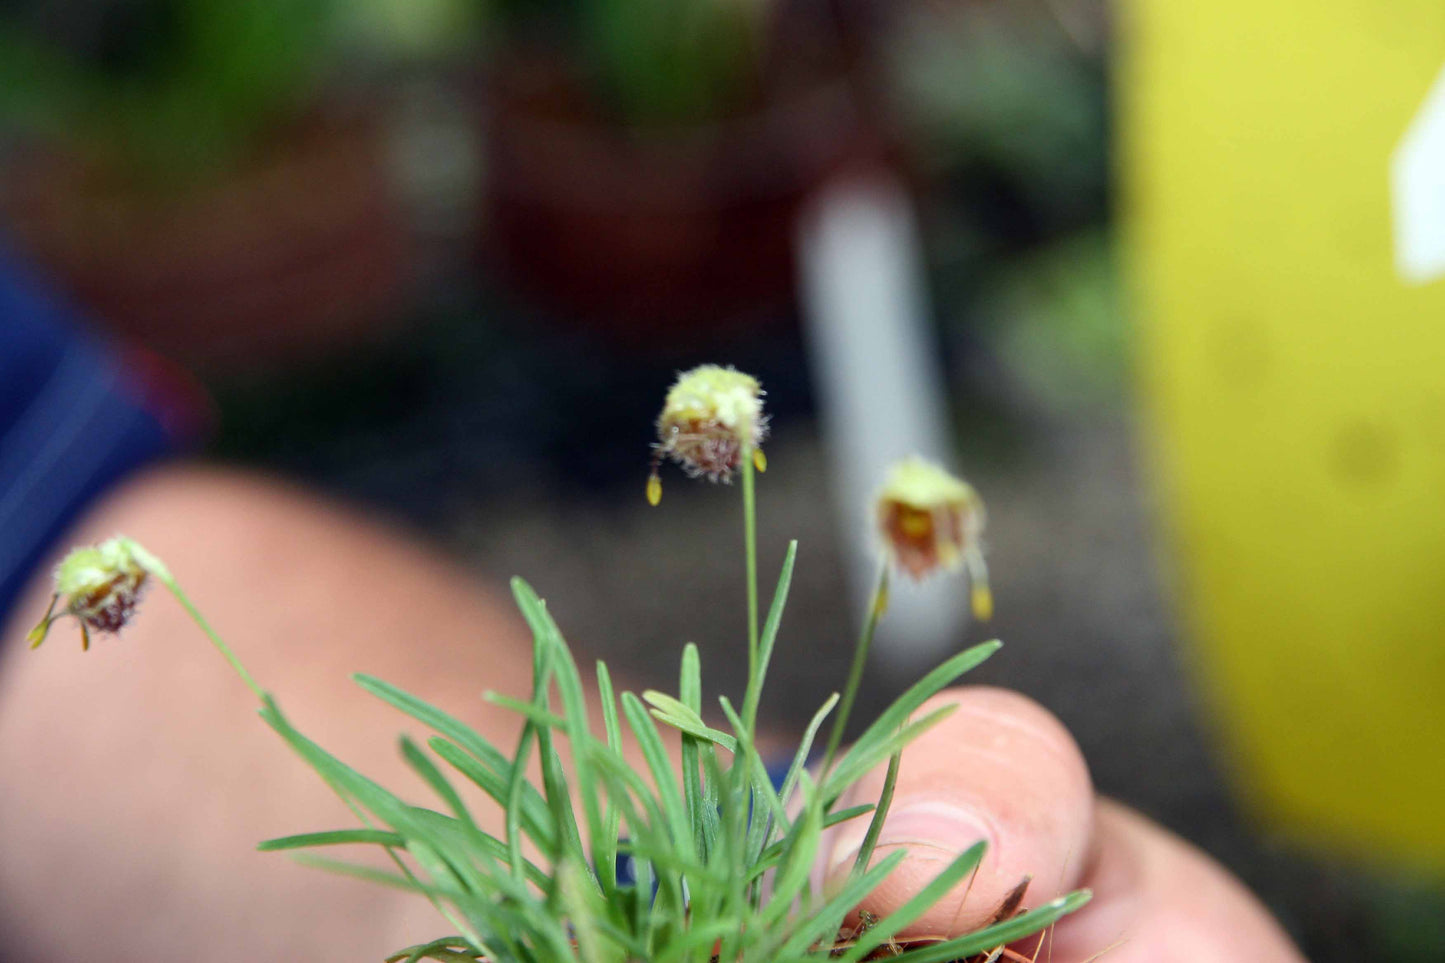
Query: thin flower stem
{"type": "Point", "coordinates": [855, 673]}
{"type": "Point", "coordinates": [158, 568]}
{"type": "Point", "coordinates": [750, 542]}
{"type": "Point", "coordinates": [216, 639]}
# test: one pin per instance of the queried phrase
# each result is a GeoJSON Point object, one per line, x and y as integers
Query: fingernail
{"type": "Point", "coordinates": [921, 822]}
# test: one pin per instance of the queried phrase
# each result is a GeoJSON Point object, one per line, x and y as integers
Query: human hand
{"type": "Point", "coordinates": [1004, 770]}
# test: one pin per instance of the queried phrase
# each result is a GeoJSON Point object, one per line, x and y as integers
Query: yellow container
{"type": "Point", "coordinates": [1293, 359]}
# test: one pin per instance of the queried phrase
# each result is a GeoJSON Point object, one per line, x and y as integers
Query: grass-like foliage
{"type": "Point", "coordinates": [718, 862]}
{"type": "Point", "coordinates": [610, 861]}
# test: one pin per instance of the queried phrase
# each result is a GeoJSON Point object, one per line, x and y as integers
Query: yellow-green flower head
{"type": "Point", "coordinates": [930, 521]}
{"type": "Point", "coordinates": [101, 587]}
{"type": "Point", "coordinates": [711, 416]}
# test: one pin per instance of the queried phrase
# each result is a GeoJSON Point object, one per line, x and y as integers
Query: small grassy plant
{"type": "Point", "coordinates": [603, 862]}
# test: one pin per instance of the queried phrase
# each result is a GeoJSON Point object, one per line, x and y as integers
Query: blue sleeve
{"type": "Point", "coordinates": [75, 418]}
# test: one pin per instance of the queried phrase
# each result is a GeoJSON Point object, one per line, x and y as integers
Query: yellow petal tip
{"type": "Point", "coordinates": [42, 628]}
{"type": "Point", "coordinates": [982, 600]}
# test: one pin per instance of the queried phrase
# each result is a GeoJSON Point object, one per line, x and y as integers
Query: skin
{"type": "Point", "coordinates": [135, 780]}
{"type": "Point", "coordinates": [1004, 770]}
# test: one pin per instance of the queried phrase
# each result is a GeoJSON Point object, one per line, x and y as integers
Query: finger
{"type": "Point", "coordinates": [1159, 900]}
{"type": "Point", "coordinates": [1000, 769]}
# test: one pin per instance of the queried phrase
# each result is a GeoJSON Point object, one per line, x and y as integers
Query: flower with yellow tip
{"type": "Point", "coordinates": [929, 521]}
{"type": "Point", "coordinates": [711, 417]}
{"type": "Point", "coordinates": [101, 586]}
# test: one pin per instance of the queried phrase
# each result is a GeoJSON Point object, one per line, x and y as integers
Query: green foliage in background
{"type": "Point", "coordinates": [652, 62]}
{"type": "Point", "coordinates": [1057, 320]}
{"type": "Point", "coordinates": [160, 86]}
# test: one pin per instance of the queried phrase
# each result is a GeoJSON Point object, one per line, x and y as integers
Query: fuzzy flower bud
{"type": "Point", "coordinates": [929, 521]}
{"type": "Point", "coordinates": [101, 586]}
{"type": "Point", "coordinates": [711, 416]}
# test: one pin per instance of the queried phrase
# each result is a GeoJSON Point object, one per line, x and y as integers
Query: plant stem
{"type": "Point", "coordinates": [158, 568]}
{"type": "Point", "coordinates": [855, 673]}
{"type": "Point", "coordinates": [216, 640]}
{"type": "Point", "coordinates": [750, 543]}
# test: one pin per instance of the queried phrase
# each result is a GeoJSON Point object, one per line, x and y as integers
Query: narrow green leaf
{"type": "Point", "coordinates": [337, 837]}
{"type": "Point", "coordinates": [520, 913]}
{"type": "Point", "coordinates": [433, 777]}
{"type": "Point", "coordinates": [356, 791]}
{"type": "Point", "coordinates": [382, 877]}
{"type": "Point", "coordinates": [796, 864]}
{"type": "Point", "coordinates": [896, 714]}
{"type": "Point", "coordinates": [632, 948]}
{"type": "Point", "coordinates": [436, 891]}
{"type": "Point", "coordinates": [800, 758]}
{"type": "Point", "coordinates": [355, 786]}
{"type": "Point", "coordinates": [663, 776]}
{"type": "Point", "coordinates": [889, 927]}
{"type": "Point", "coordinates": [454, 729]}
{"type": "Point", "coordinates": [698, 939]}
{"type": "Point", "coordinates": [666, 856]}
{"type": "Point", "coordinates": [488, 768]}
{"type": "Point", "coordinates": [559, 798]}
{"type": "Point", "coordinates": [688, 724]}
{"type": "Point", "coordinates": [489, 853]}
{"type": "Point", "coordinates": [534, 713]}
{"type": "Point", "coordinates": [824, 924]}
{"type": "Point", "coordinates": [761, 784]}
{"type": "Point", "coordinates": [880, 813]}
{"type": "Point", "coordinates": [513, 807]}
{"type": "Point", "coordinates": [549, 651]}
{"type": "Point", "coordinates": [690, 688]}
{"type": "Point", "coordinates": [770, 635]}
{"type": "Point", "coordinates": [711, 782]}
{"type": "Point", "coordinates": [607, 858]}
{"type": "Point", "coordinates": [529, 604]}
{"type": "Point", "coordinates": [654, 834]}
{"type": "Point", "coordinates": [413, 953]}
{"type": "Point", "coordinates": [447, 872]}
{"type": "Point", "coordinates": [579, 734]}
{"type": "Point", "coordinates": [577, 901]}
{"type": "Point", "coordinates": [999, 934]}
{"type": "Point", "coordinates": [858, 762]}
{"type": "Point", "coordinates": [769, 855]}
{"type": "Point", "coordinates": [536, 818]}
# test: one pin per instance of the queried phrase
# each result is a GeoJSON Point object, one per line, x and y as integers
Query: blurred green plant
{"type": "Point", "coordinates": [164, 87]}
{"type": "Point", "coordinates": [652, 62]}
{"type": "Point", "coordinates": [1057, 319]}
{"type": "Point", "coordinates": [1408, 918]}
{"type": "Point", "coordinates": [1007, 87]}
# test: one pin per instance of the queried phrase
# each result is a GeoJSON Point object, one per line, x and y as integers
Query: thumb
{"type": "Point", "coordinates": [999, 769]}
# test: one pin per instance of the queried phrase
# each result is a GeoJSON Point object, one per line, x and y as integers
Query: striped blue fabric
{"type": "Point", "coordinates": [70, 427]}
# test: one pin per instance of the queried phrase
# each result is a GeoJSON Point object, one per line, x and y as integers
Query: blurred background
{"type": "Point", "coordinates": [1145, 274]}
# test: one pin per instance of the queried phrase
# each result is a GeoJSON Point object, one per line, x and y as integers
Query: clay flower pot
{"type": "Point", "coordinates": [638, 229]}
{"type": "Point", "coordinates": [298, 247]}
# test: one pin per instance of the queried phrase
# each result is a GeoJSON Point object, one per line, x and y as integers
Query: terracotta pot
{"type": "Point", "coordinates": [638, 230]}
{"type": "Point", "coordinates": [299, 248]}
